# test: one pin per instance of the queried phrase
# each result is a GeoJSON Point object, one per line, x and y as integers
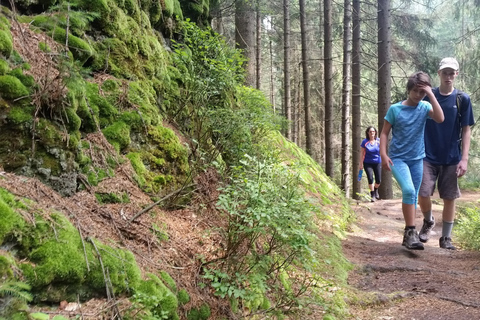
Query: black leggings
{"type": "Point", "coordinates": [371, 169]}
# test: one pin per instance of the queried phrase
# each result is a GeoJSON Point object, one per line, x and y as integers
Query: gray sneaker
{"type": "Point", "coordinates": [426, 228]}
{"type": "Point", "coordinates": [411, 240]}
{"type": "Point", "coordinates": [446, 243]}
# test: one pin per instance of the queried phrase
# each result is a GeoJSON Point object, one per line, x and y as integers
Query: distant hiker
{"type": "Point", "coordinates": [446, 148]}
{"type": "Point", "coordinates": [371, 160]}
{"type": "Point", "coordinates": [406, 119]}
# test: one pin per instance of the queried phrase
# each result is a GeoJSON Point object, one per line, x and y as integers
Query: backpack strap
{"type": "Point", "coordinates": [459, 113]}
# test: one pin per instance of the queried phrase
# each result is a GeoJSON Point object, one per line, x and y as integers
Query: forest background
{"type": "Point", "coordinates": [139, 105]}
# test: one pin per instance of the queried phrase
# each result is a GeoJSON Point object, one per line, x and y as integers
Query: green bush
{"type": "Point", "coordinates": [467, 229]}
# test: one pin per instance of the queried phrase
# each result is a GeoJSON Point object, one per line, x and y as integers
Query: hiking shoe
{"type": "Point", "coordinates": [377, 196]}
{"type": "Point", "coordinates": [426, 228]}
{"type": "Point", "coordinates": [446, 243]}
{"type": "Point", "coordinates": [411, 240]}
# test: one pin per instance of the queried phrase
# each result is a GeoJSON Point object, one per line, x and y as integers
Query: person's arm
{"type": "Point", "coordinates": [364, 151]}
{"type": "Point", "coordinates": [463, 164]}
{"type": "Point", "coordinates": [436, 113]}
{"type": "Point", "coordinates": [386, 161]}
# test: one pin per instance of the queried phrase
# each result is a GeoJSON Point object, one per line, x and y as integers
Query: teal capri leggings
{"type": "Point", "coordinates": [409, 176]}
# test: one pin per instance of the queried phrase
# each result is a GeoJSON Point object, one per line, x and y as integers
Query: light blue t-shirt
{"type": "Point", "coordinates": [408, 127]}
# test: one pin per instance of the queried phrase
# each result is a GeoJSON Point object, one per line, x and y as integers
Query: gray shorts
{"type": "Point", "coordinates": [447, 181]}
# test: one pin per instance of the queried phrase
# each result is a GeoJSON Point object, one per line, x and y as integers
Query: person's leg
{"type": "Point", "coordinates": [368, 167]}
{"type": "Point", "coordinates": [401, 172]}
{"type": "Point", "coordinates": [429, 178]}
{"type": "Point", "coordinates": [448, 191]}
{"type": "Point", "coordinates": [427, 187]}
{"type": "Point", "coordinates": [377, 170]}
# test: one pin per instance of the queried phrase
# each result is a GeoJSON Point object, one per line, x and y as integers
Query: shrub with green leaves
{"type": "Point", "coordinates": [270, 232]}
{"type": "Point", "coordinates": [467, 230]}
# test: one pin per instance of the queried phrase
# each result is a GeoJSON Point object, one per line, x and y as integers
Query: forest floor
{"type": "Point", "coordinates": [410, 284]}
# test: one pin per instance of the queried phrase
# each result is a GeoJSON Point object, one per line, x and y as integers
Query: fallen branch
{"type": "Point", "coordinates": [158, 202]}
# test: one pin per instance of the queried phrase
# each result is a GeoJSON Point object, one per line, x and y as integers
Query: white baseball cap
{"type": "Point", "coordinates": [448, 63]}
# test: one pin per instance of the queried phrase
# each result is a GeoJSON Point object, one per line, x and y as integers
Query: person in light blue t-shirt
{"type": "Point", "coordinates": [371, 161]}
{"type": "Point", "coordinates": [406, 119]}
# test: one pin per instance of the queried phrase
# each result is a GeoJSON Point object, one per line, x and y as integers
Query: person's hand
{"type": "Point", "coordinates": [386, 163]}
{"type": "Point", "coordinates": [462, 168]}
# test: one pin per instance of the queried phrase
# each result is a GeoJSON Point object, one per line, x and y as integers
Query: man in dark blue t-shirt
{"type": "Point", "coordinates": [446, 149]}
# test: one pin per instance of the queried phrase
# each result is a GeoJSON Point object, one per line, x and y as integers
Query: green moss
{"type": "Point", "coordinates": [4, 67]}
{"type": "Point", "coordinates": [44, 47]}
{"type": "Point", "coordinates": [165, 301]}
{"type": "Point", "coordinates": [122, 267]}
{"type": "Point", "coordinates": [4, 23]}
{"type": "Point", "coordinates": [12, 88]}
{"type": "Point", "coordinates": [168, 10]}
{"type": "Point", "coordinates": [6, 43]}
{"type": "Point", "coordinates": [106, 111]}
{"type": "Point", "coordinates": [80, 49]}
{"type": "Point", "coordinates": [27, 80]}
{"type": "Point", "coordinates": [111, 85]}
{"type": "Point", "coordinates": [11, 223]}
{"type": "Point", "coordinates": [183, 297]}
{"type": "Point", "coordinates": [102, 7]}
{"type": "Point", "coordinates": [48, 133]}
{"type": "Point", "coordinates": [118, 134]}
{"type": "Point", "coordinates": [112, 197]}
{"type": "Point", "coordinates": [177, 10]}
{"type": "Point", "coordinates": [19, 115]}
{"type": "Point", "coordinates": [168, 280]}
{"type": "Point", "coordinates": [202, 313]}
{"type": "Point", "coordinates": [73, 122]}
{"type": "Point", "coordinates": [139, 167]}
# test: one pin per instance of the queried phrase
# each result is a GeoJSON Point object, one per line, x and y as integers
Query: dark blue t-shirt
{"type": "Point", "coordinates": [372, 151]}
{"type": "Point", "coordinates": [442, 140]}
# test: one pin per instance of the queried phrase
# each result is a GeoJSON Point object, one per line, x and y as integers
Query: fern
{"type": "Point", "coordinates": [16, 289]}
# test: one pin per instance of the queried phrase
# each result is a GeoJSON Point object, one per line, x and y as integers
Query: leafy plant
{"type": "Point", "coordinates": [269, 234]}
{"type": "Point", "coordinates": [467, 230]}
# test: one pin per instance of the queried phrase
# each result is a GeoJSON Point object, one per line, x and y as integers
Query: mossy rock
{"type": "Point", "coordinates": [202, 313]}
{"type": "Point", "coordinates": [106, 111]}
{"type": "Point", "coordinates": [183, 297]}
{"type": "Point", "coordinates": [4, 67]}
{"type": "Point", "coordinates": [80, 49]}
{"type": "Point", "coordinates": [6, 43]}
{"type": "Point", "coordinates": [20, 114]}
{"type": "Point", "coordinates": [166, 302]}
{"type": "Point", "coordinates": [27, 80]}
{"type": "Point", "coordinates": [9, 220]}
{"type": "Point", "coordinates": [118, 134]}
{"type": "Point", "coordinates": [12, 88]}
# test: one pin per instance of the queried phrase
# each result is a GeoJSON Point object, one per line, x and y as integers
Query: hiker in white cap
{"type": "Point", "coordinates": [446, 152]}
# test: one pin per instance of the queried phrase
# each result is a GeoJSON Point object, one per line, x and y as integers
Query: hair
{"type": "Point", "coordinates": [367, 136]}
{"type": "Point", "coordinates": [418, 78]}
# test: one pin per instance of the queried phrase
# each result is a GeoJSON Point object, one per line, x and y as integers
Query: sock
{"type": "Point", "coordinates": [428, 215]}
{"type": "Point", "coordinates": [409, 227]}
{"type": "Point", "coordinates": [447, 229]}
{"type": "Point", "coordinates": [372, 193]}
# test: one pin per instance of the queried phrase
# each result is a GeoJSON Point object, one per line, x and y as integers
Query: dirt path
{"type": "Point", "coordinates": [431, 284]}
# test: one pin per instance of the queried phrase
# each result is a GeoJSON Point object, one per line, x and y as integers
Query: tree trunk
{"type": "Point", "coordinates": [384, 82]}
{"type": "Point", "coordinates": [258, 48]}
{"type": "Point", "coordinates": [329, 156]}
{"type": "Point", "coordinates": [245, 36]}
{"type": "Point", "coordinates": [306, 80]}
{"type": "Point", "coordinates": [286, 60]}
{"type": "Point", "coordinates": [356, 100]}
{"type": "Point", "coordinates": [347, 65]}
